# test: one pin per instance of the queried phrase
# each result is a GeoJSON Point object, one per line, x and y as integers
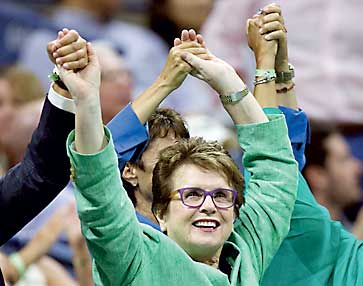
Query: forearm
{"type": "Point", "coordinates": [271, 191]}
{"type": "Point", "coordinates": [286, 94]}
{"type": "Point", "coordinates": [90, 136]}
{"type": "Point", "coordinates": [245, 111]}
{"type": "Point", "coordinates": [106, 213]}
{"type": "Point", "coordinates": [42, 241]}
{"type": "Point", "coordinates": [82, 262]}
{"type": "Point", "coordinates": [266, 93]}
{"type": "Point", "coordinates": [150, 99]}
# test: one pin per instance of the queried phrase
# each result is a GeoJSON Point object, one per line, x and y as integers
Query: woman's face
{"type": "Point", "coordinates": [202, 231]}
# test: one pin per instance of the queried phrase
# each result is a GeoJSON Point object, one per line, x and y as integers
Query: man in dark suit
{"type": "Point", "coordinates": [32, 184]}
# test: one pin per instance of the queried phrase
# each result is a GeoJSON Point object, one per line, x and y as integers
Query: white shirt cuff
{"type": "Point", "coordinates": [60, 101]}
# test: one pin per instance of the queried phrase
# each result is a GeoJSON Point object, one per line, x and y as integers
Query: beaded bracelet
{"type": "Point", "coordinates": [264, 76]}
{"type": "Point", "coordinates": [17, 261]}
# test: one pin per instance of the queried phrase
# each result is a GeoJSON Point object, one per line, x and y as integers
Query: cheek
{"type": "Point", "coordinates": [228, 218]}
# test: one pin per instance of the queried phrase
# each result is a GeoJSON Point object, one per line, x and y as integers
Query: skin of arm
{"type": "Point", "coordinates": [280, 161]}
{"type": "Point", "coordinates": [262, 30]}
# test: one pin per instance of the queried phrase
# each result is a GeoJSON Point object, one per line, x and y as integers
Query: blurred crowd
{"type": "Point", "coordinates": [132, 40]}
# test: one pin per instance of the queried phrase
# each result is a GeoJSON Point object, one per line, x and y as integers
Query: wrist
{"type": "Point", "coordinates": [234, 87]}
{"type": "Point", "coordinates": [282, 66]}
{"type": "Point", "coordinates": [63, 92]}
{"type": "Point", "coordinates": [164, 85]}
{"type": "Point", "coordinates": [265, 63]}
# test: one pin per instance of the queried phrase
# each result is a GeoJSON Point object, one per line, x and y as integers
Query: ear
{"type": "Point", "coordinates": [317, 177]}
{"type": "Point", "coordinates": [129, 174]}
{"type": "Point", "coordinates": [162, 222]}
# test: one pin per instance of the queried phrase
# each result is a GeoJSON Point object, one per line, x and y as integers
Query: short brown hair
{"type": "Point", "coordinates": [161, 122]}
{"type": "Point", "coordinates": [207, 155]}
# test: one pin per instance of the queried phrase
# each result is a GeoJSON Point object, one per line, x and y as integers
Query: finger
{"type": "Point", "coordinates": [51, 47]}
{"type": "Point", "coordinates": [272, 18]}
{"type": "Point", "coordinates": [270, 27]}
{"type": "Point", "coordinates": [188, 44]}
{"type": "Point", "coordinates": [205, 56]}
{"type": "Point", "coordinates": [177, 42]}
{"type": "Point", "coordinates": [276, 35]}
{"type": "Point", "coordinates": [272, 8]}
{"type": "Point", "coordinates": [185, 35]}
{"type": "Point", "coordinates": [69, 38]}
{"type": "Point", "coordinates": [65, 31]}
{"type": "Point", "coordinates": [196, 51]}
{"type": "Point", "coordinates": [60, 35]}
{"type": "Point", "coordinates": [92, 57]}
{"type": "Point", "coordinates": [70, 48]}
{"type": "Point", "coordinates": [72, 57]}
{"type": "Point", "coordinates": [192, 35]}
{"type": "Point", "coordinates": [200, 40]}
{"type": "Point", "coordinates": [192, 60]}
{"type": "Point", "coordinates": [80, 64]}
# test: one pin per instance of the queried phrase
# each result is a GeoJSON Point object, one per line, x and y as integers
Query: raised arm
{"type": "Point", "coordinates": [30, 186]}
{"type": "Point", "coordinates": [271, 191]}
{"type": "Point", "coordinates": [269, 27]}
{"type": "Point", "coordinates": [107, 215]}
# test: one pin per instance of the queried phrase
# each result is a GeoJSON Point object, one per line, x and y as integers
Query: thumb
{"type": "Point", "coordinates": [92, 57]}
{"type": "Point", "coordinates": [194, 61]}
{"type": "Point", "coordinates": [67, 76]}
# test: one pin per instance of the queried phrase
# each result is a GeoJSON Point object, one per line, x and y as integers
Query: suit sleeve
{"type": "Point", "coordinates": [32, 184]}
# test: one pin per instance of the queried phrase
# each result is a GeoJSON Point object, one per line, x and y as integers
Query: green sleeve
{"type": "Point", "coordinates": [107, 216]}
{"type": "Point", "coordinates": [264, 220]}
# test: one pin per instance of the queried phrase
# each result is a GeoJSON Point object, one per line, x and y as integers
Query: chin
{"type": "Point", "coordinates": [207, 243]}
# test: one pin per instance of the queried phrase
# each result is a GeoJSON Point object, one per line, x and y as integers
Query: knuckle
{"type": "Point", "coordinates": [75, 46]}
{"type": "Point", "coordinates": [73, 33]}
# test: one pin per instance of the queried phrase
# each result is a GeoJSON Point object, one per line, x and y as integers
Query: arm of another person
{"type": "Point", "coordinates": [31, 185]}
{"type": "Point", "coordinates": [272, 28]}
{"type": "Point", "coordinates": [131, 139]}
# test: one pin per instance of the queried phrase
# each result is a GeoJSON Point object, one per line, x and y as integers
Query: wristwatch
{"type": "Point", "coordinates": [234, 97]}
{"type": "Point", "coordinates": [285, 76]}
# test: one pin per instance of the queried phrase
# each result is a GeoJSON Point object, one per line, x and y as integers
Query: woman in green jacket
{"type": "Point", "coordinates": [198, 190]}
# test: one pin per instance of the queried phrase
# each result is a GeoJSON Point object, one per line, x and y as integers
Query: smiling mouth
{"type": "Point", "coordinates": [207, 225]}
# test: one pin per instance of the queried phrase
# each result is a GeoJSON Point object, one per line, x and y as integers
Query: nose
{"type": "Point", "coordinates": [208, 206]}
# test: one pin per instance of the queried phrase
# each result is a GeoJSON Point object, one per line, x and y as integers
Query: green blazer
{"type": "Point", "coordinates": [128, 253]}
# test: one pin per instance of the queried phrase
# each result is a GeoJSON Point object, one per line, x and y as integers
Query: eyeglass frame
{"type": "Point", "coordinates": [206, 193]}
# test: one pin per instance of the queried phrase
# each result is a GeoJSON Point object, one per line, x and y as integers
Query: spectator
{"type": "Point", "coordinates": [332, 172]}
{"type": "Point", "coordinates": [21, 93]}
{"type": "Point", "coordinates": [142, 50]}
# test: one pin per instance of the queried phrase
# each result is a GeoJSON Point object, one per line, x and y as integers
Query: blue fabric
{"type": "Point", "coordinates": [299, 130]}
{"type": "Point", "coordinates": [130, 137]}
{"type": "Point", "coordinates": [145, 220]}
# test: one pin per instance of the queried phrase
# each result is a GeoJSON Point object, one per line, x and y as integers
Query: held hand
{"type": "Point", "coordinates": [69, 50]}
{"type": "Point", "coordinates": [273, 28]}
{"type": "Point", "coordinates": [217, 73]}
{"type": "Point", "coordinates": [84, 84]}
{"type": "Point", "coordinates": [176, 69]}
{"type": "Point", "coordinates": [264, 50]}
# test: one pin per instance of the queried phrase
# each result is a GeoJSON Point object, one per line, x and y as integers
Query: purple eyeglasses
{"type": "Point", "coordinates": [194, 197]}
